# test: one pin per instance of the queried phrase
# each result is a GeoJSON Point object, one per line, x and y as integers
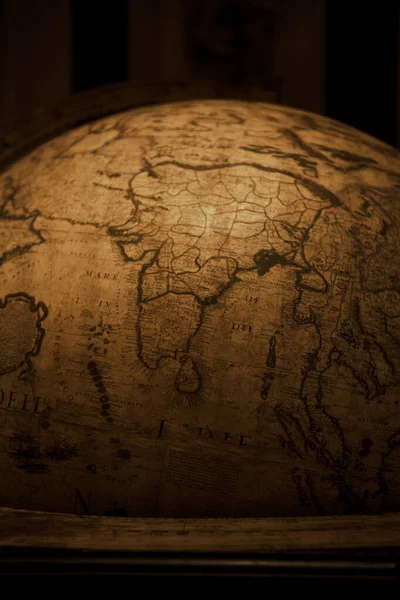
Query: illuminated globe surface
{"type": "Point", "coordinates": [200, 316]}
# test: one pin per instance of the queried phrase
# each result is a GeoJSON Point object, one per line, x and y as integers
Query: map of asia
{"type": "Point", "coordinates": [200, 316]}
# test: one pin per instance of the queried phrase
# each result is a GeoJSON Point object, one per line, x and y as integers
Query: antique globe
{"type": "Point", "coordinates": [200, 316]}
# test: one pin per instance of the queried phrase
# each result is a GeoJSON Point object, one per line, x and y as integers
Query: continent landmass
{"type": "Point", "coordinates": [21, 331]}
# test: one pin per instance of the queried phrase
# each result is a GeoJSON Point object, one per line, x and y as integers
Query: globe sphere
{"type": "Point", "coordinates": [200, 316]}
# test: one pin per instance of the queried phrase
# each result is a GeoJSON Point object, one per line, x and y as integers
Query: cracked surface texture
{"type": "Point", "coordinates": [200, 316]}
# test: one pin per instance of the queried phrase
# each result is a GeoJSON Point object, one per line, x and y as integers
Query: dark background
{"type": "Point", "coordinates": [328, 56]}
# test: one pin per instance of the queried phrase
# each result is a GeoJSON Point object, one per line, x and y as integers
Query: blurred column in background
{"type": "Point", "coordinates": [35, 56]}
{"type": "Point", "coordinates": [157, 49]}
{"type": "Point", "coordinates": [301, 53]}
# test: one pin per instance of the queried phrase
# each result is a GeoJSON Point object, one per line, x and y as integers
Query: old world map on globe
{"type": "Point", "coordinates": [200, 316]}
